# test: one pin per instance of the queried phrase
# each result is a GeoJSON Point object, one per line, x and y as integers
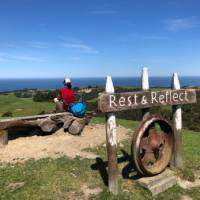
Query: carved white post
{"type": "Point", "coordinates": [145, 87]}
{"type": "Point", "coordinates": [177, 126]}
{"type": "Point", "coordinates": [111, 137]}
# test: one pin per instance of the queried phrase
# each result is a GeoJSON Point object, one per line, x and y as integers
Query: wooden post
{"type": "Point", "coordinates": [145, 87]}
{"type": "Point", "coordinates": [177, 126]}
{"type": "Point", "coordinates": [111, 137]}
{"type": "Point", "coordinates": [3, 137]}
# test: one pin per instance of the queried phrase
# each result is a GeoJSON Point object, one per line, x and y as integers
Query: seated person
{"type": "Point", "coordinates": [65, 97]}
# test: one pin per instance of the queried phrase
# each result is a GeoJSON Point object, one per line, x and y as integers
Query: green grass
{"type": "Point", "coordinates": [92, 100]}
{"type": "Point", "coordinates": [130, 124]}
{"type": "Point", "coordinates": [63, 178]}
{"type": "Point", "coordinates": [22, 106]}
{"type": "Point", "coordinates": [191, 153]}
{"type": "Point", "coordinates": [47, 179]}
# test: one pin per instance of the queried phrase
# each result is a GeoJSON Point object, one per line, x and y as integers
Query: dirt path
{"type": "Point", "coordinates": [57, 144]}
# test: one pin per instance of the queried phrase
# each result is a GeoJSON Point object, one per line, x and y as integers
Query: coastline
{"type": "Point", "coordinates": [12, 84]}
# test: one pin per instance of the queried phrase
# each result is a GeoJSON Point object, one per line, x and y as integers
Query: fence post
{"type": "Point", "coordinates": [177, 126]}
{"type": "Point", "coordinates": [145, 87]}
{"type": "Point", "coordinates": [111, 137]}
{"type": "Point", "coordinates": [3, 137]}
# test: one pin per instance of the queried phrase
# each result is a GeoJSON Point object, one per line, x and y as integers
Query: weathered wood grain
{"type": "Point", "coordinates": [3, 137]}
{"type": "Point", "coordinates": [114, 102]}
{"type": "Point", "coordinates": [111, 138]}
{"type": "Point", "coordinates": [177, 159]}
{"type": "Point", "coordinates": [47, 123]}
{"type": "Point", "coordinates": [34, 117]}
{"type": "Point", "coordinates": [34, 120]}
{"type": "Point", "coordinates": [77, 126]}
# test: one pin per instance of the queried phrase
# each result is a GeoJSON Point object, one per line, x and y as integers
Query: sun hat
{"type": "Point", "coordinates": [67, 80]}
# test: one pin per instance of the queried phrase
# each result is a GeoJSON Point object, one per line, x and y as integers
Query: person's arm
{"type": "Point", "coordinates": [59, 97]}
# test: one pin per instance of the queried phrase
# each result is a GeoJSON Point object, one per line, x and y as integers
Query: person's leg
{"type": "Point", "coordinates": [59, 106]}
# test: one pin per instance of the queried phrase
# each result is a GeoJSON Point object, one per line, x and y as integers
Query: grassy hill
{"type": "Point", "coordinates": [22, 106]}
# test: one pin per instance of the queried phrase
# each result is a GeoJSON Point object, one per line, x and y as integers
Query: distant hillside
{"type": "Point", "coordinates": [30, 102]}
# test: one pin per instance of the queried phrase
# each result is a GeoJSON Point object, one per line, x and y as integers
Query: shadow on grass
{"type": "Point", "coordinates": [128, 171]}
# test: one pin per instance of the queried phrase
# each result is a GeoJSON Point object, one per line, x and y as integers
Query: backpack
{"type": "Point", "coordinates": [78, 109]}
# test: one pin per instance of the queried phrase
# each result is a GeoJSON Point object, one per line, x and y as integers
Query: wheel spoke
{"type": "Point", "coordinates": [144, 143]}
{"type": "Point", "coordinates": [156, 139]}
{"type": "Point", "coordinates": [164, 137]}
{"type": "Point", "coordinates": [148, 158]}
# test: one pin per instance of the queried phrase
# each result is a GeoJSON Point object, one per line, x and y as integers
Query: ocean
{"type": "Point", "coordinates": [54, 83]}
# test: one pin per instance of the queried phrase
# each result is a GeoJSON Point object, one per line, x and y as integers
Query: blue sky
{"type": "Point", "coordinates": [95, 38]}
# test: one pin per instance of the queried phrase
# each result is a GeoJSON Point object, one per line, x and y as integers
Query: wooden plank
{"type": "Point", "coordinates": [33, 117]}
{"type": "Point", "coordinates": [17, 123]}
{"type": "Point", "coordinates": [144, 99]}
{"type": "Point", "coordinates": [27, 121]}
{"type": "Point", "coordinates": [89, 113]}
{"type": "Point", "coordinates": [111, 137]}
{"type": "Point", "coordinates": [42, 121]}
{"type": "Point", "coordinates": [177, 127]}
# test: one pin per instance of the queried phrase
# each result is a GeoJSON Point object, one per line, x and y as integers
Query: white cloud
{"type": "Point", "coordinates": [179, 24]}
{"type": "Point", "coordinates": [137, 37]}
{"type": "Point", "coordinates": [11, 45]}
{"type": "Point", "coordinates": [10, 57]}
{"type": "Point", "coordinates": [103, 12]}
{"type": "Point", "coordinates": [80, 47]}
{"type": "Point", "coordinates": [28, 58]}
{"type": "Point", "coordinates": [39, 45]}
{"type": "Point", "coordinates": [153, 37]}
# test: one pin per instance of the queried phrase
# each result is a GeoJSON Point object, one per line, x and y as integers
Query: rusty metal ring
{"type": "Point", "coordinates": [152, 145]}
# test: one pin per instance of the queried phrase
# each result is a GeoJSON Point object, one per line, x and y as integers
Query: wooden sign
{"type": "Point", "coordinates": [114, 102]}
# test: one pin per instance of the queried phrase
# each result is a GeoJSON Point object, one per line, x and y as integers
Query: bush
{"type": "Point", "coordinates": [7, 114]}
{"type": "Point", "coordinates": [21, 94]}
{"type": "Point", "coordinates": [42, 113]}
{"type": "Point", "coordinates": [42, 96]}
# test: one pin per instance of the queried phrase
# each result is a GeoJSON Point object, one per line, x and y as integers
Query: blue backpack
{"type": "Point", "coordinates": [78, 109]}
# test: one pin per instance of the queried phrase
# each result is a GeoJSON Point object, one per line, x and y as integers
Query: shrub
{"type": "Point", "coordinates": [42, 96]}
{"type": "Point", "coordinates": [21, 94]}
{"type": "Point", "coordinates": [7, 114]}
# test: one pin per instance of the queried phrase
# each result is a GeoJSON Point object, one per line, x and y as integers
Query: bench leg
{"type": "Point", "coordinates": [3, 137]}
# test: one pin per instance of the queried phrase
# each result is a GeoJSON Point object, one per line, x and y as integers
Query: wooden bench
{"type": "Point", "coordinates": [47, 122]}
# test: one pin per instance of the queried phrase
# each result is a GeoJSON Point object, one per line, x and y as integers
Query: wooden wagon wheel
{"type": "Point", "coordinates": [152, 145]}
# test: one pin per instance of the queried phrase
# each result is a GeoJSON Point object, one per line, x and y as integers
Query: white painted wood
{"type": "Point", "coordinates": [111, 136]}
{"type": "Point", "coordinates": [111, 129]}
{"type": "Point", "coordinates": [111, 119]}
{"type": "Point", "coordinates": [145, 79]}
{"type": "Point", "coordinates": [178, 111]}
{"type": "Point", "coordinates": [178, 118]}
{"type": "Point", "coordinates": [175, 82]}
{"type": "Point", "coordinates": [109, 85]}
{"type": "Point", "coordinates": [145, 87]}
{"type": "Point", "coordinates": [177, 127]}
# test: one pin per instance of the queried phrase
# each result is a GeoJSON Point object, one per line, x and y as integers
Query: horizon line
{"type": "Point", "coordinates": [154, 76]}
